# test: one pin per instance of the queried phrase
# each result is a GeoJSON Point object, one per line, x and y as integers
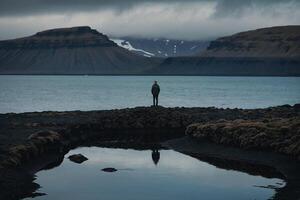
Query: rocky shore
{"type": "Point", "coordinates": [279, 134]}
{"type": "Point", "coordinates": [26, 137]}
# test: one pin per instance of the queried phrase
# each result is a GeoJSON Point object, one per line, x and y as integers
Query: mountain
{"type": "Point", "coordinates": [283, 42]}
{"type": "Point", "coordinates": [271, 51]}
{"type": "Point", "coordinates": [81, 50]}
{"type": "Point", "coordinates": [161, 47]}
{"type": "Point", "coordinates": [76, 50]}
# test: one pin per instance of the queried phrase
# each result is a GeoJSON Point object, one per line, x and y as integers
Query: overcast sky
{"type": "Point", "coordinates": [176, 19]}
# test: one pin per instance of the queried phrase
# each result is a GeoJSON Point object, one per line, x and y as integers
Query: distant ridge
{"type": "Point", "coordinates": [76, 50]}
{"type": "Point", "coordinates": [82, 36]}
{"type": "Point", "coordinates": [279, 42]}
{"type": "Point", "coordinates": [271, 51]}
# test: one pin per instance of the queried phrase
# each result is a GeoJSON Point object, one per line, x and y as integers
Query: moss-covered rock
{"type": "Point", "coordinates": [280, 134]}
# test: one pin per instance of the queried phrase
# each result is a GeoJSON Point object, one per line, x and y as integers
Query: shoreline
{"type": "Point", "coordinates": [28, 136]}
{"type": "Point", "coordinates": [220, 75]}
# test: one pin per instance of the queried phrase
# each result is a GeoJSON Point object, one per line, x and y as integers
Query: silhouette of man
{"type": "Point", "coordinates": [155, 92]}
{"type": "Point", "coordinates": [155, 156]}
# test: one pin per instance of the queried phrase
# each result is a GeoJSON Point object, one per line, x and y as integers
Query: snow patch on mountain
{"type": "Point", "coordinates": [125, 44]}
{"type": "Point", "coordinates": [163, 47]}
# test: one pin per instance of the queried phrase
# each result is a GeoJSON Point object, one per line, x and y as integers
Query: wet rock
{"type": "Point", "coordinates": [78, 158]}
{"type": "Point", "coordinates": [109, 169]}
{"type": "Point", "coordinates": [44, 134]}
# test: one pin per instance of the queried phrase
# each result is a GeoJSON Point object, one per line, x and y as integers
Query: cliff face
{"type": "Point", "coordinates": [77, 50]}
{"type": "Point", "coordinates": [277, 42]}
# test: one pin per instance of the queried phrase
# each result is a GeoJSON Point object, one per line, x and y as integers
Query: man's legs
{"type": "Point", "coordinates": [153, 100]}
{"type": "Point", "coordinates": [156, 98]}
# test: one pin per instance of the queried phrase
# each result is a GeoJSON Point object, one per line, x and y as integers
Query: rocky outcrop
{"type": "Point", "coordinates": [26, 137]}
{"type": "Point", "coordinates": [76, 50]}
{"type": "Point", "coordinates": [278, 135]}
{"type": "Point", "coordinates": [37, 144]}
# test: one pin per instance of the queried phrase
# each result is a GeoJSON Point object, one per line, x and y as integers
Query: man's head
{"type": "Point", "coordinates": [155, 82]}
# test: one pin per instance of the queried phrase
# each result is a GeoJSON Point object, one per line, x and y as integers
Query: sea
{"type": "Point", "coordinates": [23, 93]}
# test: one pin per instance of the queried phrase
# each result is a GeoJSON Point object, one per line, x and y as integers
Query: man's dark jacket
{"type": "Point", "coordinates": [155, 89]}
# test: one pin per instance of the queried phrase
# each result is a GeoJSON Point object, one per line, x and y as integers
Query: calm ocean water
{"type": "Point", "coordinates": [62, 93]}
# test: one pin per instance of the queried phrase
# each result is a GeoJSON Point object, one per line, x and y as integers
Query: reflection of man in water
{"type": "Point", "coordinates": [155, 156]}
{"type": "Point", "coordinates": [155, 92]}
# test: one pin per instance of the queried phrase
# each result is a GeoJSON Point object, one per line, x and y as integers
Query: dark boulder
{"type": "Point", "coordinates": [78, 158]}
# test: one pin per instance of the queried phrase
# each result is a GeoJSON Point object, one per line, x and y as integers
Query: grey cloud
{"type": "Point", "coordinates": [178, 19]}
{"type": "Point", "coordinates": [28, 7]}
{"type": "Point", "coordinates": [31, 7]}
{"type": "Point", "coordinates": [237, 7]}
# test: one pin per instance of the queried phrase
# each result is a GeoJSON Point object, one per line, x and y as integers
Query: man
{"type": "Point", "coordinates": [155, 92]}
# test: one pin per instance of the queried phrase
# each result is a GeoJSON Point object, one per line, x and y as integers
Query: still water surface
{"type": "Point", "coordinates": [174, 176]}
{"type": "Point", "coordinates": [64, 93]}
